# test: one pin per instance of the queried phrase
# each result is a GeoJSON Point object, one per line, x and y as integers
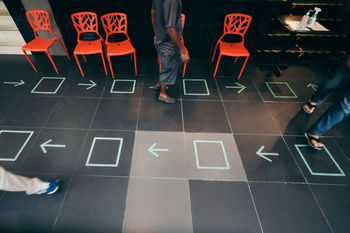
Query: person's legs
{"type": "Point", "coordinates": [341, 76]}
{"type": "Point", "coordinates": [334, 115]}
{"type": "Point", "coordinates": [16, 183]}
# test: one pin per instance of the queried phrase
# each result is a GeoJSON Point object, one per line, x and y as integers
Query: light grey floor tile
{"type": "Point", "coordinates": [159, 154]}
{"type": "Point", "coordinates": [158, 206]}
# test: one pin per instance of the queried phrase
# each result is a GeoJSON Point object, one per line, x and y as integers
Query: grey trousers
{"type": "Point", "coordinates": [170, 61]}
{"type": "Point", "coordinates": [16, 183]}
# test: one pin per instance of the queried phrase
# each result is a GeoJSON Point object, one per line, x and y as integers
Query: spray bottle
{"type": "Point", "coordinates": [304, 20]}
{"type": "Point", "coordinates": [311, 21]}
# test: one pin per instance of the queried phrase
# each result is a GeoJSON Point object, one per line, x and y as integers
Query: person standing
{"type": "Point", "coordinates": [167, 26]}
{"type": "Point", "coordinates": [16, 183]}
{"type": "Point", "coordinates": [337, 113]}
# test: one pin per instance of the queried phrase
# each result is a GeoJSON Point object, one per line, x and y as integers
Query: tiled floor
{"type": "Point", "coordinates": [229, 156]}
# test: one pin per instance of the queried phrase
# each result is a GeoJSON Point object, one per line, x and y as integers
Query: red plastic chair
{"type": "Point", "coordinates": [114, 23]}
{"type": "Point", "coordinates": [87, 22]}
{"type": "Point", "coordinates": [183, 17]}
{"type": "Point", "coordinates": [236, 24]}
{"type": "Point", "coordinates": [40, 21]}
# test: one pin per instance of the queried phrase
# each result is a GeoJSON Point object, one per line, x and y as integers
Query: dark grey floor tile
{"type": "Point", "coordinates": [17, 83]}
{"type": "Point", "coordinates": [93, 66]}
{"type": "Point", "coordinates": [31, 213]}
{"type": "Point", "coordinates": [229, 68]}
{"type": "Point", "coordinates": [242, 90]}
{"type": "Point", "coordinates": [335, 203]}
{"type": "Point", "coordinates": [55, 151]}
{"type": "Point", "coordinates": [328, 165]}
{"type": "Point", "coordinates": [6, 104]}
{"type": "Point", "coordinates": [344, 144]}
{"type": "Point", "coordinates": [250, 117]}
{"type": "Point", "coordinates": [157, 116]}
{"type": "Point", "coordinates": [222, 207]}
{"type": "Point", "coordinates": [205, 116]}
{"type": "Point", "coordinates": [15, 144]}
{"type": "Point", "coordinates": [93, 204]}
{"type": "Point", "coordinates": [291, 118]}
{"type": "Point", "coordinates": [124, 86]}
{"type": "Point", "coordinates": [77, 86]}
{"type": "Point", "coordinates": [48, 85]}
{"type": "Point", "coordinates": [73, 113]}
{"type": "Point", "coordinates": [199, 87]}
{"type": "Point", "coordinates": [117, 114]}
{"type": "Point", "coordinates": [30, 111]}
{"type": "Point", "coordinates": [288, 208]}
{"type": "Point", "coordinates": [107, 153]}
{"type": "Point", "coordinates": [197, 66]}
{"type": "Point", "coordinates": [13, 63]}
{"type": "Point", "coordinates": [266, 158]}
{"type": "Point", "coordinates": [286, 89]}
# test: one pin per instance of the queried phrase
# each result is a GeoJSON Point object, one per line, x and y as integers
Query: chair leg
{"type": "Point", "coordinates": [160, 64]}
{"type": "Point", "coordinates": [104, 64]}
{"type": "Point", "coordinates": [131, 56]}
{"type": "Point", "coordinates": [49, 56]}
{"type": "Point", "coordinates": [84, 58]}
{"type": "Point", "coordinates": [183, 72]}
{"type": "Point", "coordinates": [29, 60]}
{"type": "Point", "coordinates": [64, 49]}
{"type": "Point", "coordinates": [217, 65]}
{"type": "Point", "coordinates": [81, 71]}
{"type": "Point", "coordinates": [245, 62]}
{"type": "Point", "coordinates": [216, 46]}
{"type": "Point", "coordinates": [135, 64]}
{"type": "Point", "coordinates": [110, 65]}
{"type": "Point", "coordinates": [236, 60]}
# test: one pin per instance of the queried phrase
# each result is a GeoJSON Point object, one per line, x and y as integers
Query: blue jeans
{"type": "Point", "coordinates": [340, 110]}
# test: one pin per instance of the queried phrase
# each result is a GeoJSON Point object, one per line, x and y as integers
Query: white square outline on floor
{"type": "Point", "coordinates": [88, 164]}
{"type": "Point", "coordinates": [48, 92]}
{"type": "Point", "coordinates": [297, 146]}
{"type": "Point", "coordinates": [20, 150]}
{"type": "Point", "coordinates": [123, 92]}
{"type": "Point", "coordinates": [227, 167]}
{"type": "Point", "coordinates": [281, 97]}
{"type": "Point", "coordinates": [205, 82]}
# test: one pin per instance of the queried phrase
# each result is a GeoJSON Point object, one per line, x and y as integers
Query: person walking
{"type": "Point", "coordinates": [16, 183]}
{"type": "Point", "coordinates": [337, 113]}
{"type": "Point", "coordinates": [167, 26]}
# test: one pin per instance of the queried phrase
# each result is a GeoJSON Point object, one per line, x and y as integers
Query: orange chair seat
{"type": "Point", "coordinates": [120, 48]}
{"type": "Point", "coordinates": [88, 47]}
{"type": "Point", "coordinates": [39, 44]}
{"type": "Point", "coordinates": [233, 49]}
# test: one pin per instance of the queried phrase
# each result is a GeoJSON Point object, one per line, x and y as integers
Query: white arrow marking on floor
{"type": "Point", "coordinates": [240, 86]}
{"type": "Point", "coordinates": [262, 155]}
{"type": "Point", "coordinates": [46, 144]}
{"type": "Point", "coordinates": [91, 84]}
{"type": "Point", "coordinates": [313, 86]}
{"type": "Point", "coordinates": [16, 84]}
{"type": "Point", "coordinates": [152, 150]}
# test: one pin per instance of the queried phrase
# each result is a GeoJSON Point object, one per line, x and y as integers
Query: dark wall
{"type": "Point", "coordinates": [204, 21]}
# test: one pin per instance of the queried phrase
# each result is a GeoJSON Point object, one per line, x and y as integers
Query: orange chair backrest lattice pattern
{"type": "Point", "coordinates": [39, 20]}
{"type": "Point", "coordinates": [237, 24]}
{"type": "Point", "coordinates": [85, 22]}
{"type": "Point", "coordinates": [114, 23]}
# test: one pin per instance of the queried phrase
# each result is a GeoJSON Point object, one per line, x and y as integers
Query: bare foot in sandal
{"type": "Point", "coordinates": [309, 107]}
{"type": "Point", "coordinates": [314, 141]}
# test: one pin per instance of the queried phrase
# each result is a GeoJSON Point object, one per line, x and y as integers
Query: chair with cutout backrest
{"type": "Point", "coordinates": [116, 23]}
{"type": "Point", "coordinates": [235, 24]}
{"type": "Point", "coordinates": [40, 21]}
{"type": "Point", "coordinates": [183, 17]}
{"type": "Point", "coordinates": [86, 22]}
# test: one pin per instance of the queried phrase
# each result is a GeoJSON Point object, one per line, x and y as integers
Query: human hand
{"type": "Point", "coordinates": [185, 57]}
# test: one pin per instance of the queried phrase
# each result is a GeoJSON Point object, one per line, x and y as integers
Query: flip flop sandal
{"type": "Point", "coordinates": [311, 106]}
{"type": "Point", "coordinates": [309, 139]}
